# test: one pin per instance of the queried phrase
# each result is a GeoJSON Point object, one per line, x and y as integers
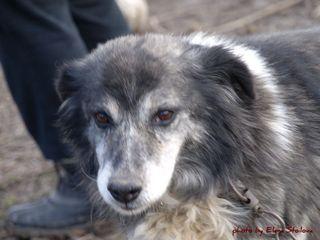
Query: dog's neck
{"type": "Point", "coordinates": [188, 220]}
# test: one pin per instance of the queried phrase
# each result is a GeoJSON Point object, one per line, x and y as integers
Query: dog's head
{"type": "Point", "coordinates": [157, 115]}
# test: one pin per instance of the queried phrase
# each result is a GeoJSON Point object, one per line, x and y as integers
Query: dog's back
{"type": "Point", "coordinates": [295, 59]}
{"type": "Point", "coordinates": [295, 56]}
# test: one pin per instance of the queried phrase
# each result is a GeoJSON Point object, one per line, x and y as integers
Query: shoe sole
{"type": "Point", "coordinates": [75, 230]}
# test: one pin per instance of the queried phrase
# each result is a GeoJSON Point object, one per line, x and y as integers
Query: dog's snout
{"type": "Point", "coordinates": [124, 193]}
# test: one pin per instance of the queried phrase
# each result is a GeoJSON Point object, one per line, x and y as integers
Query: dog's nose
{"type": "Point", "coordinates": [124, 193]}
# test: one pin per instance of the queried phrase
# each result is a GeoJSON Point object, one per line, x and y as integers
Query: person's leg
{"type": "Point", "coordinates": [36, 36]}
{"type": "Point", "coordinates": [98, 20]}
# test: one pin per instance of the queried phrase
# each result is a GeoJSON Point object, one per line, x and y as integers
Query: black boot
{"type": "Point", "coordinates": [65, 211]}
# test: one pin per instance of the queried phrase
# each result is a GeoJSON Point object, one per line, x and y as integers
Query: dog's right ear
{"type": "Point", "coordinates": [222, 64]}
{"type": "Point", "coordinates": [67, 82]}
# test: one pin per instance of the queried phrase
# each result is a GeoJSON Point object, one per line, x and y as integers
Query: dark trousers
{"type": "Point", "coordinates": [36, 36]}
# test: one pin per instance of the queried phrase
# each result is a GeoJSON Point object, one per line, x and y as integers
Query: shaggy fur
{"type": "Point", "coordinates": [211, 218]}
{"type": "Point", "coordinates": [244, 109]}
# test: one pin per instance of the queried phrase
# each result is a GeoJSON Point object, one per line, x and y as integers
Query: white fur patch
{"type": "Point", "coordinates": [100, 151]}
{"type": "Point", "coordinates": [159, 172]}
{"type": "Point", "coordinates": [104, 172]}
{"type": "Point", "coordinates": [261, 72]}
{"type": "Point", "coordinates": [113, 108]}
{"type": "Point", "coordinates": [210, 219]}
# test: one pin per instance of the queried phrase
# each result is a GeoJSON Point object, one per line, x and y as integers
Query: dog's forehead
{"type": "Point", "coordinates": [142, 68]}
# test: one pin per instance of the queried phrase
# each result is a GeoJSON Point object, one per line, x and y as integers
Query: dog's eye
{"type": "Point", "coordinates": [102, 119]}
{"type": "Point", "coordinates": [163, 117]}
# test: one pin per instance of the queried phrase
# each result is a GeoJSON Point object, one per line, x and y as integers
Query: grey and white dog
{"type": "Point", "coordinates": [169, 121]}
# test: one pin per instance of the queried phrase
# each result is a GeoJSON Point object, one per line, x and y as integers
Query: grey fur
{"type": "Point", "coordinates": [225, 124]}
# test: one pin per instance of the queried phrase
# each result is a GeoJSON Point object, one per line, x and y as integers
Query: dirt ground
{"type": "Point", "coordinates": [24, 175]}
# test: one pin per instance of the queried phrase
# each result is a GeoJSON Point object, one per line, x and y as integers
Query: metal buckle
{"type": "Point", "coordinates": [248, 198]}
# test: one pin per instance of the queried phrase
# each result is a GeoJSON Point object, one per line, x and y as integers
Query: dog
{"type": "Point", "coordinates": [200, 136]}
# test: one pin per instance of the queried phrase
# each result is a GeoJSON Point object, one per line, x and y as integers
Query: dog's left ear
{"type": "Point", "coordinates": [221, 64]}
{"type": "Point", "coordinates": [66, 82]}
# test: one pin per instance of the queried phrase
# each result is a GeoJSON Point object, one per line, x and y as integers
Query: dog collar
{"type": "Point", "coordinates": [249, 199]}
